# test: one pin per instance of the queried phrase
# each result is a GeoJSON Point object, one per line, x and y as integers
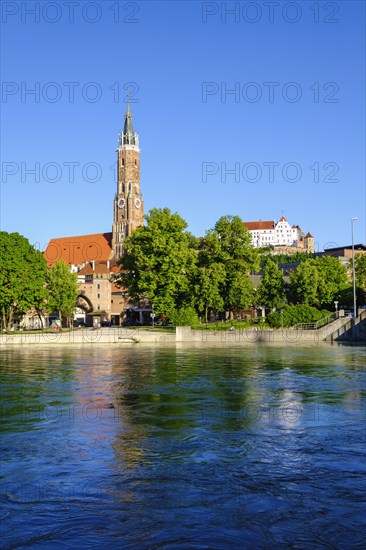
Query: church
{"type": "Point", "coordinates": [94, 257]}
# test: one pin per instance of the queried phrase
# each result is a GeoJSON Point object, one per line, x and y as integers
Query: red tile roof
{"type": "Point", "coordinates": [282, 219]}
{"type": "Point", "coordinates": [99, 268]}
{"type": "Point", "coordinates": [80, 249]}
{"type": "Point", "coordinates": [259, 225]}
{"type": "Point", "coordinates": [308, 235]}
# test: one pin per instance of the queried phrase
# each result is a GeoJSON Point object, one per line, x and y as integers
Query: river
{"type": "Point", "coordinates": [149, 447]}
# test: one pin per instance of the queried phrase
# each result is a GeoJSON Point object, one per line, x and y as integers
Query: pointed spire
{"type": "Point", "coordinates": [128, 132]}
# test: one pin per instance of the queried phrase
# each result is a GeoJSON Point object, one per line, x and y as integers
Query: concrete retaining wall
{"type": "Point", "coordinates": [123, 336]}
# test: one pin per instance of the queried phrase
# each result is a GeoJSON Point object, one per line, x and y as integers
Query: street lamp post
{"type": "Point", "coordinates": [353, 271]}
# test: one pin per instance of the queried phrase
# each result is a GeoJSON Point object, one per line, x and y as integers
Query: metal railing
{"type": "Point", "coordinates": [318, 324]}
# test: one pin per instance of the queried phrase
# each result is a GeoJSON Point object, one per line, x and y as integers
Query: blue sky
{"type": "Point", "coordinates": [299, 151]}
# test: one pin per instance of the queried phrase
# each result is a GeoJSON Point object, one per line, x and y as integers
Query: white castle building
{"type": "Point", "coordinates": [270, 233]}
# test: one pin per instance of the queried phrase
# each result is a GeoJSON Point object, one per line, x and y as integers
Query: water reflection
{"type": "Point", "coordinates": [264, 446]}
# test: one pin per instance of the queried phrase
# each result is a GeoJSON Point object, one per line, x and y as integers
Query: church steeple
{"type": "Point", "coordinates": [128, 202]}
{"type": "Point", "coordinates": [128, 136]}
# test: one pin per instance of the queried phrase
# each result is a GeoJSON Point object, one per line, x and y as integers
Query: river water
{"type": "Point", "coordinates": [144, 447]}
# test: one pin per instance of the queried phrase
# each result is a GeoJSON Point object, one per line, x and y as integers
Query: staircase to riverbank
{"type": "Point", "coordinates": [351, 330]}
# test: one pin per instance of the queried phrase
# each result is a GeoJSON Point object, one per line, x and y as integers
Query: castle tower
{"type": "Point", "coordinates": [309, 243]}
{"type": "Point", "coordinates": [128, 205]}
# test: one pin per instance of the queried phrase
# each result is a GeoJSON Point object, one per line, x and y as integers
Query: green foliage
{"type": "Point", "coordinates": [345, 297]}
{"type": "Point", "coordinates": [284, 258]}
{"type": "Point", "coordinates": [332, 279]}
{"type": "Point", "coordinates": [228, 245]}
{"type": "Point", "coordinates": [360, 270]}
{"type": "Point", "coordinates": [291, 314]}
{"type": "Point", "coordinates": [159, 262]}
{"type": "Point", "coordinates": [62, 289]}
{"type": "Point", "coordinates": [304, 284]}
{"type": "Point", "coordinates": [22, 276]}
{"type": "Point", "coordinates": [271, 291]}
{"type": "Point", "coordinates": [185, 316]}
{"type": "Point", "coordinates": [208, 282]}
{"type": "Point", "coordinates": [318, 282]}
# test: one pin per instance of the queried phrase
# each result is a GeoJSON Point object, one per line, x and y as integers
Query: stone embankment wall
{"type": "Point", "coordinates": [123, 336]}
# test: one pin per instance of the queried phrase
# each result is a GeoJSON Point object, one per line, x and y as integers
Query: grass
{"type": "Point", "coordinates": [226, 325]}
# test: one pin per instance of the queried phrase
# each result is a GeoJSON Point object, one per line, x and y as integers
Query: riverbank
{"type": "Point", "coordinates": [128, 336]}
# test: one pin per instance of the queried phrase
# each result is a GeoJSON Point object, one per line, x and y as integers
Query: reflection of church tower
{"type": "Point", "coordinates": [128, 202]}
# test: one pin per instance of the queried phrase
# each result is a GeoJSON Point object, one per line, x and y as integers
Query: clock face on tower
{"type": "Point", "coordinates": [137, 203]}
{"type": "Point", "coordinates": [121, 202]}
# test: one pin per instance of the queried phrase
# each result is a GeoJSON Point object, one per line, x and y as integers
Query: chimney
{"type": "Point", "coordinates": [108, 264]}
{"type": "Point", "coordinates": [93, 264]}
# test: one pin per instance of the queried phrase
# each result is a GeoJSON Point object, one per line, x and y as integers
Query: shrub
{"type": "Point", "coordinates": [290, 315]}
{"type": "Point", "coordinates": [185, 316]}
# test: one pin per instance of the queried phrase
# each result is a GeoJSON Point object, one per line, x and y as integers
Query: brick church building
{"type": "Point", "coordinates": [94, 257]}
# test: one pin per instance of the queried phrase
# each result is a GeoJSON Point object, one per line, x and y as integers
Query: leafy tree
{"type": "Point", "coordinates": [207, 288]}
{"type": "Point", "coordinates": [62, 289]}
{"type": "Point", "coordinates": [304, 284]}
{"type": "Point", "coordinates": [159, 262]}
{"type": "Point", "coordinates": [318, 282]}
{"type": "Point", "coordinates": [228, 244]}
{"type": "Point", "coordinates": [360, 270]}
{"type": "Point", "coordinates": [23, 272]}
{"type": "Point", "coordinates": [271, 289]}
{"type": "Point", "coordinates": [332, 279]}
{"type": "Point", "coordinates": [240, 292]}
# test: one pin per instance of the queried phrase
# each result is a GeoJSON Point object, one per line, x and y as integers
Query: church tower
{"type": "Point", "coordinates": [128, 204]}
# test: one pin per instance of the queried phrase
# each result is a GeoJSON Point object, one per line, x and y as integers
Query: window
{"type": "Point", "coordinates": [98, 307]}
{"type": "Point", "coordinates": [98, 295]}
{"type": "Point", "coordinates": [98, 285]}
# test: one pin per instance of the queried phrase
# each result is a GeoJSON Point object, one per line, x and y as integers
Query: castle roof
{"type": "Point", "coordinates": [79, 249]}
{"type": "Point", "coordinates": [282, 219]}
{"type": "Point", "coordinates": [259, 225]}
{"type": "Point", "coordinates": [308, 235]}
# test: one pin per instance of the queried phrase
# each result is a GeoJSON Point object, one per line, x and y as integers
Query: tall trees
{"type": "Point", "coordinates": [62, 290]}
{"type": "Point", "coordinates": [23, 273]}
{"type": "Point", "coordinates": [332, 279]}
{"type": "Point", "coordinates": [227, 253]}
{"type": "Point", "coordinates": [318, 282]}
{"type": "Point", "coordinates": [208, 281]}
{"type": "Point", "coordinates": [271, 292]}
{"type": "Point", "coordinates": [304, 284]}
{"type": "Point", "coordinates": [168, 266]}
{"type": "Point", "coordinates": [159, 262]}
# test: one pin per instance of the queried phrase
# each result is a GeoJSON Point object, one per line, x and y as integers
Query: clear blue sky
{"type": "Point", "coordinates": [169, 52]}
